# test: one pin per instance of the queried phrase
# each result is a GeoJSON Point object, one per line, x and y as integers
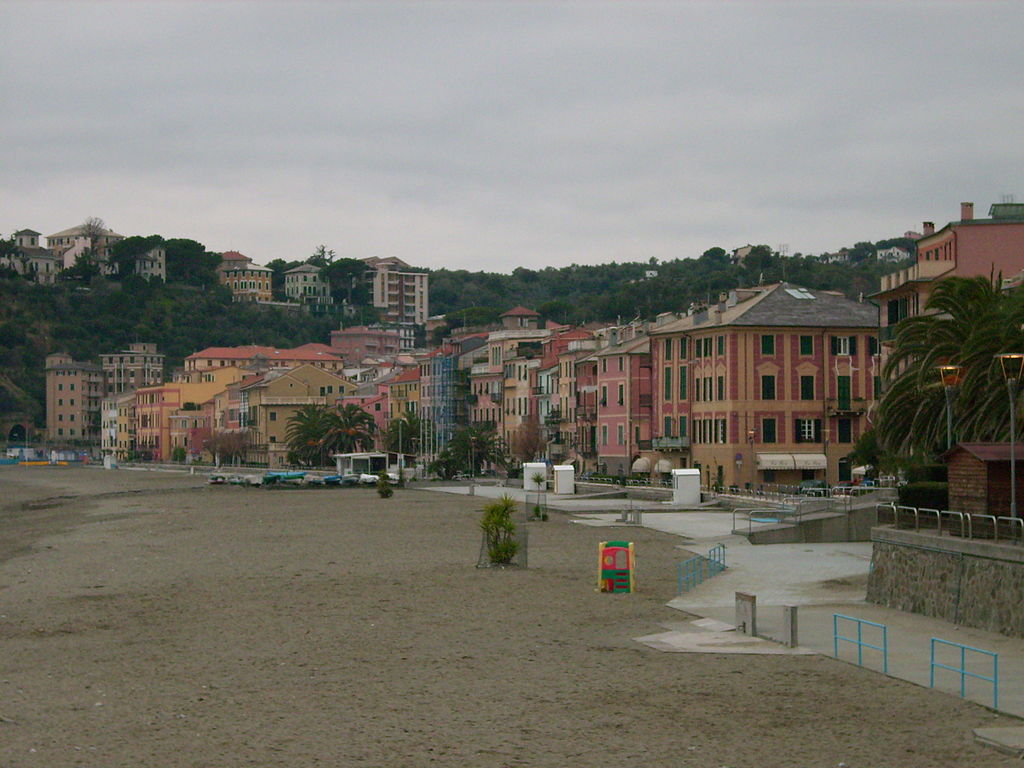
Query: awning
{"type": "Point", "coordinates": [643, 464]}
{"type": "Point", "coordinates": [859, 470]}
{"type": "Point", "coordinates": [809, 461]}
{"type": "Point", "coordinates": [664, 466]}
{"type": "Point", "coordinates": [775, 461]}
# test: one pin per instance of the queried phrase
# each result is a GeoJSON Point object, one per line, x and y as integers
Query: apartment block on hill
{"type": "Point", "coordinates": [402, 294]}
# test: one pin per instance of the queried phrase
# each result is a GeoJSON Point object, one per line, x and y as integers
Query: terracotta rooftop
{"type": "Point", "coordinates": [985, 451]}
{"type": "Point", "coordinates": [520, 312]}
{"type": "Point", "coordinates": [299, 354]}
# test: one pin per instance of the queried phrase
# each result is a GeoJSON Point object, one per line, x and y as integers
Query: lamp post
{"type": "Point", "coordinates": [1012, 364]}
{"type": "Point", "coordinates": [950, 375]}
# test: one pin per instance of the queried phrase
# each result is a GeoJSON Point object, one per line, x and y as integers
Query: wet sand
{"type": "Point", "coordinates": [147, 619]}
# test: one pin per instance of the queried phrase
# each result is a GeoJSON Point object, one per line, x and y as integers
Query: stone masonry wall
{"type": "Point", "coordinates": [962, 588]}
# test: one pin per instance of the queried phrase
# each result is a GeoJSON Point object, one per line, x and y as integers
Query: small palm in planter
{"type": "Point", "coordinates": [539, 479]}
{"type": "Point", "coordinates": [384, 489]}
{"type": "Point", "coordinates": [500, 531]}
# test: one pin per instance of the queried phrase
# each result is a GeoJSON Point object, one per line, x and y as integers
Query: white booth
{"type": "Point", "coordinates": [686, 486]}
{"type": "Point", "coordinates": [535, 468]}
{"type": "Point", "coordinates": [565, 480]}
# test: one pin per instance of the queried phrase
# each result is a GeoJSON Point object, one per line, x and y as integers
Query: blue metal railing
{"type": "Point", "coordinates": [962, 669]}
{"type": "Point", "coordinates": [859, 640]}
{"type": "Point", "coordinates": [695, 571]}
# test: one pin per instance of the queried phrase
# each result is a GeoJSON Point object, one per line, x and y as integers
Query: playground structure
{"type": "Point", "coordinates": [616, 569]}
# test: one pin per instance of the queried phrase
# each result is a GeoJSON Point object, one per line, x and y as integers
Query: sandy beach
{"type": "Point", "coordinates": [147, 619]}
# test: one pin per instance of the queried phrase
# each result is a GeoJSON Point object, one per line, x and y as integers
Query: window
{"type": "Point", "coordinates": [604, 434]}
{"type": "Point", "coordinates": [273, 415]}
{"type": "Point", "coordinates": [668, 349]}
{"type": "Point", "coordinates": [843, 392]}
{"type": "Point", "coordinates": [682, 348]}
{"type": "Point", "coordinates": [682, 382]}
{"type": "Point", "coordinates": [806, 345]}
{"type": "Point", "coordinates": [767, 345]}
{"type": "Point", "coordinates": [877, 384]}
{"type": "Point", "coordinates": [604, 365]}
{"type": "Point", "coordinates": [620, 363]}
{"type": "Point", "coordinates": [721, 387]}
{"type": "Point", "coordinates": [721, 345]}
{"type": "Point", "coordinates": [668, 426]}
{"type": "Point", "coordinates": [668, 383]}
{"type": "Point", "coordinates": [767, 387]}
{"type": "Point", "coordinates": [707, 346]}
{"type": "Point", "coordinates": [845, 431]}
{"type": "Point", "coordinates": [622, 394]}
{"type": "Point", "coordinates": [844, 345]}
{"type": "Point", "coordinates": [604, 396]}
{"type": "Point", "coordinates": [806, 387]}
{"type": "Point", "coordinates": [768, 434]}
{"type": "Point", "coordinates": [697, 348]}
{"type": "Point", "coordinates": [723, 430]}
{"type": "Point", "coordinates": [807, 431]}
{"type": "Point", "coordinates": [682, 426]}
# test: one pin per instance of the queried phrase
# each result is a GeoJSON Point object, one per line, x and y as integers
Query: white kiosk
{"type": "Point", "coordinates": [686, 486]}
{"type": "Point", "coordinates": [565, 480]}
{"type": "Point", "coordinates": [535, 468]}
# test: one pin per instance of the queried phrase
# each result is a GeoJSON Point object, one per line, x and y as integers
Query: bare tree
{"type": "Point", "coordinates": [227, 446]}
{"type": "Point", "coordinates": [526, 441]}
{"type": "Point", "coordinates": [93, 228]}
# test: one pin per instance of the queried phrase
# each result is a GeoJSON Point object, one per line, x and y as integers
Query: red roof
{"type": "Point", "coordinates": [234, 256]}
{"type": "Point", "coordinates": [520, 312]}
{"type": "Point", "coordinates": [299, 354]}
{"type": "Point", "coordinates": [985, 451]}
{"type": "Point", "coordinates": [412, 374]}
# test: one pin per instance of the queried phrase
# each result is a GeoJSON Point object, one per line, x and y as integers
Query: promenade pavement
{"type": "Point", "coordinates": [821, 580]}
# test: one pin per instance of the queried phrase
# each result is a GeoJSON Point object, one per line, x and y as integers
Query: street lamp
{"type": "Point", "coordinates": [1012, 364]}
{"type": "Point", "coordinates": [950, 375]}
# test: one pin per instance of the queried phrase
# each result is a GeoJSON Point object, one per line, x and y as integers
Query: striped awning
{"type": "Point", "coordinates": [643, 464]}
{"type": "Point", "coordinates": [664, 466]}
{"type": "Point", "coordinates": [809, 461]}
{"type": "Point", "coordinates": [775, 461]}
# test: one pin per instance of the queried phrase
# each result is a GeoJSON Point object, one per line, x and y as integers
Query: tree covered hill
{"type": "Point", "coordinates": [579, 294]}
{"type": "Point", "coordinates": [86, 315]}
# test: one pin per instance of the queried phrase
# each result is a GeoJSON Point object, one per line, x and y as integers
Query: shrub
{"type": "Point", "coordinates": [927, 473]}
{"type": "Point", "coordinates": [925, 494]}
{"type": "Point", "coordinates": [499, 531]}
{"type": "Point", "coordinates": [178, 454]}
{"type": "Point", "coordinates": [384, 489]}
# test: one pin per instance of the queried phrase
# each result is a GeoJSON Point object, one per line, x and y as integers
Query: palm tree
{"type": "Point", "coordinates": [473, 447]}
{"type": "Point", "coordinates": [403, 434]}
{"type": "Point", "coordinates": [970, 322]}
{"type": "Point", "coordinates": [305, 432]}
{"type": "Point", "coordinates": [349, 428]}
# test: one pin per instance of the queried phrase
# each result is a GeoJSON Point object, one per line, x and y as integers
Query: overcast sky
{"type": "Point", "coordinates": [491, 135]}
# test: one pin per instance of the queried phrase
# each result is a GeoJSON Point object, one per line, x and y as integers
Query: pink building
{"type": "Point", "coordinates": [359, 342]}
{"type": "Point", "coordinates": [969, 247]}
{"type": "Point", "coordinates": [624, 404]}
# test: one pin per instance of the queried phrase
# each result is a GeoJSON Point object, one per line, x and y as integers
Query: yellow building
{"type": "Point", "coordinates": [269, 401]}
{"type": "Point", "coordinates": [404, 394]}
{"type": "Point", "coordinates": [154, 407]}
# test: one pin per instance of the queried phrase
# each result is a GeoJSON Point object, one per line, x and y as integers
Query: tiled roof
{"type": "Point", "coordinates": [27, 232]}
{"type": "Point", "coordinates": [411, 374]}
{"type": "Point", "coordinates": [233, 256]}
{"type": "Point", "coordinates": [270, 353]}
{"type": "Point", "coordinates": [520, 312]}
{"type": "Point", "coordinates": [986, 452]}
{"type": "Point", "coordinates": [782, 305]}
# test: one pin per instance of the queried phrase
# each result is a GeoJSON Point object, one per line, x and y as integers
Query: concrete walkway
{"type": "Point", "coordinates": [823, 580]}
{"type": "Point", "coordinates": [828, 579]}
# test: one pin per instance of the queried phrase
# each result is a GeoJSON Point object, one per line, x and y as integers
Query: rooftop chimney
{"type": "Point", "coordinates": [966, 211]}
{"type": "Point", "coordinates": [929, 228]}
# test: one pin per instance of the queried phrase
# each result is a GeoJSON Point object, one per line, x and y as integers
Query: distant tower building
{"type": "Point", "coordinates": [401, 293]}
{"type": "Point", "coordinates": [128, 369]}
{"type": "Point", "coordinates": [73, 393]}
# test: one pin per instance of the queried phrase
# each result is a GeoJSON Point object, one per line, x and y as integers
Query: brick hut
{"type": "Point", "coordinates": [979, 477]}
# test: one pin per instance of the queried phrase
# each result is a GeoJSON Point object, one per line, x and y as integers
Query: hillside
{"type": "Point", "coordinates": [93, 315]}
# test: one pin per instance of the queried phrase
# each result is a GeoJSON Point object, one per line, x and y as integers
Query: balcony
{"type": "Point", "coordinates": [846, 406]}
{"type": "Point", "coordinates": [586, 414]}
{"type": "Point", "coordinates": [670, 443]}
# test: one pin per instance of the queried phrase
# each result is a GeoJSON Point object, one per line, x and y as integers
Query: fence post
{"type": "Point", "coordinates": [746, 613]}
{"type": "Point", "coordinates": [789, 626]}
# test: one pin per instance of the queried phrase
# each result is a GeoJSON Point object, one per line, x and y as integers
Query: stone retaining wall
{"type": "Point", "coordinates": [972, 583]}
